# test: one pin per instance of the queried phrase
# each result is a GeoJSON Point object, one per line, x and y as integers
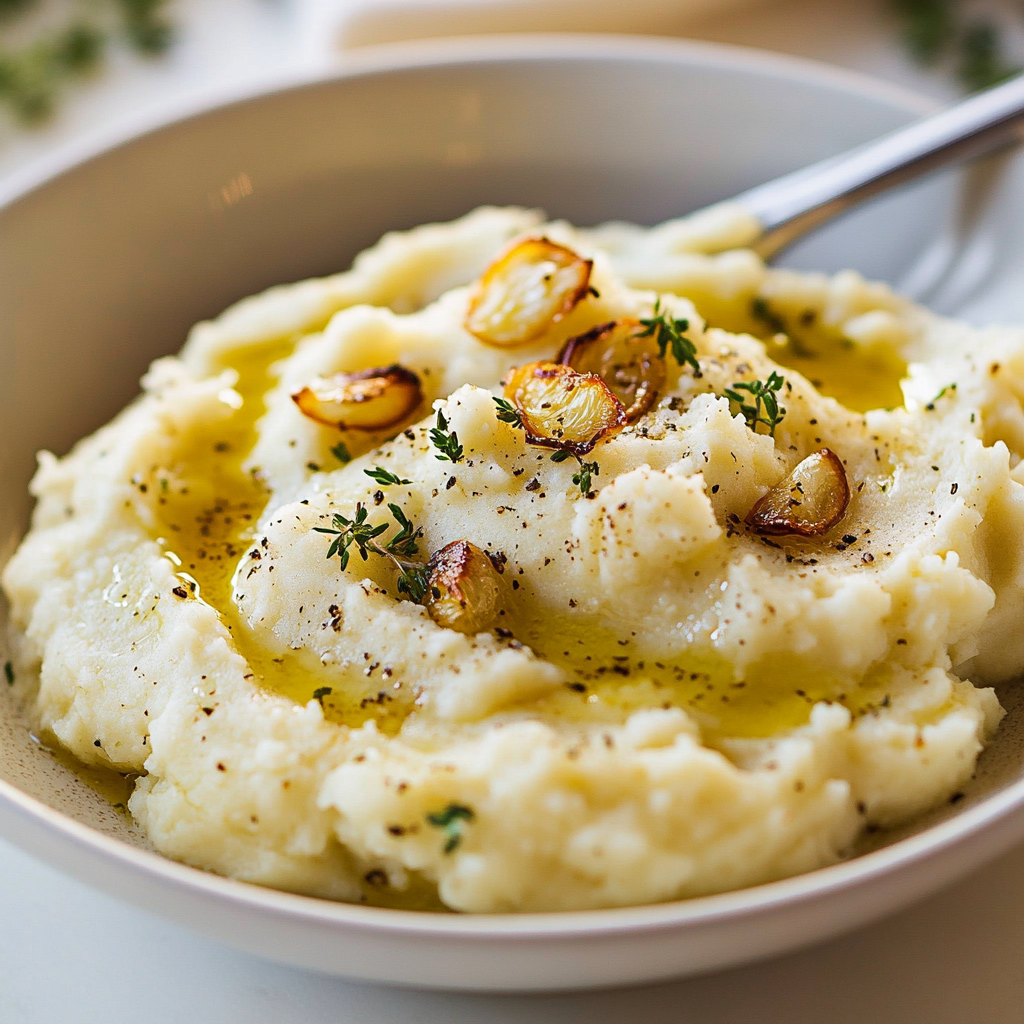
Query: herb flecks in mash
{"type": "Point", "coordinates": [341, 453]}
{"type": "Point", "coordinates": [452, 820]}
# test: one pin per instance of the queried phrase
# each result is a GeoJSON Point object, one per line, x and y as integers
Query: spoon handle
{"type": "Point", "coordinates": [791, 206]}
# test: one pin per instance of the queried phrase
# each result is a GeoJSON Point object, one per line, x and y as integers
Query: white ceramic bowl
{"type": "Point", "coordinates": [108, 258]}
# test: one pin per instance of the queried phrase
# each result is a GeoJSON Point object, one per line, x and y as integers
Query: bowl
{"type": "Point", "coordinates": [112, 251]}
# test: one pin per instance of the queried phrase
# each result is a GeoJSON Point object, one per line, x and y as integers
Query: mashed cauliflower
{"type": "Point", "coordinates": [670, 701]}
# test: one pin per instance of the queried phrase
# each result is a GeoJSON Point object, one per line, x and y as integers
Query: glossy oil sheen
{"type": "Point", "coordinates": [107, 265]}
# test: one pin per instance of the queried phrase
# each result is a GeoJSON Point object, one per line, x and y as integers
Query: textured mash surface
{"type": "Point", "coordinates": [674, 706]}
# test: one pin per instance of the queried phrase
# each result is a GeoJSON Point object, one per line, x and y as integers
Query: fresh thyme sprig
{"type": "Point", "coordinates": [412, 578]}
{"type": "Point", "coordinates": [445, 441]}
{"type": "Point", "coordinates": [508, 413]}
{"type": "Point", "coordinates": [587, 470]}
{"type": "Point", "coordinates": [452, 820]}
{"type": "Point", "coordinates": [383, 477]}
{"type": "Point", "coordinates": [582, 478]}
{"type": "Point", "coordinates": [670, 333]}
{"type": "Point", "coordinates": [765, 396]}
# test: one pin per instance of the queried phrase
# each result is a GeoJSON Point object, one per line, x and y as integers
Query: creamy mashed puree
{"type": "Point", "coordinates": [667, 696]}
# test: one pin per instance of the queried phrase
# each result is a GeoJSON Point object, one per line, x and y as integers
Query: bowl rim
{"type": "Point", "coordinates": [384, 60]}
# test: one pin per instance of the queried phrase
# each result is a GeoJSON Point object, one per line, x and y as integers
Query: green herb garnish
{"type": "Point", "coordinates": [341, 453]}
{"type": "Point", "coordinates": [9, 673]}
{"type": "Point", "coordinates": [453, 820]}
{"type": "Point", "coordinates": [760, 310]}
{"type": "Point", "coordinates": [322, 691]}
{"type": "Point", "coordinates": [582, 478]}
{"type": "Point", "coordinates": [766, 408]}
{"type": "Point", "coordinates": [382, 476]}
{"type": "Point", "coordinates": [508, 413]}
{"type": "Point", "coordinates": [670, 333]}
{"type": "Point", "coordinates": [587, 470]}
{"type": "Point", "coordinates": [931, 405]}
{"type": "Point", "coordinates": [412, 578]}
{"type": "Point", "coordinates": [445, 441]}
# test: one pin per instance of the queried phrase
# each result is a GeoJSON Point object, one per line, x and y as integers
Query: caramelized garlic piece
{"type": "Point", "coordinates": [522, 293]}
{"type": "Point", "coordinates": [463, 588]}
{"type": "Point", "coordinates": [624, 359]}
{"type": "Point", "coordinates": [368, 400]}
{"type": "Point", "coordinates": [561, 408]}
{"type": "Point", "coordinates": [808, 502]}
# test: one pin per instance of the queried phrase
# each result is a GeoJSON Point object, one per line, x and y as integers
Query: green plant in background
{"type": "Point", "coordinates": [33, 75]}
{"type": "Point", "coordinates": [937, 31]}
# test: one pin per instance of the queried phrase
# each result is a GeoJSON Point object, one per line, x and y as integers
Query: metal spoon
{"type": "Point", "coordinates": [791, 206]}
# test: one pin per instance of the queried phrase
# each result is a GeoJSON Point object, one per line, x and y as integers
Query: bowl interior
{"type": "Point", "coordinates": [109, 263]}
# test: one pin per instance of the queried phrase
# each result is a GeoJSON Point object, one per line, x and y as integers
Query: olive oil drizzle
{"type": "Point", "coordinates": [207, 507]}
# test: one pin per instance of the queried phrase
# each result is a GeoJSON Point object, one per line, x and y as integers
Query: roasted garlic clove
{"type": "Point", "coordinates": [624, 359]}
{"type": "Point", "coordinates": [561, 408]}
{"type": "Point", "coordinates": [808, 502]}
{"type": "Point", "coordinates": [369, 400]}
{"type": "Point", "coordinates": [463, 588]}
{"type": "Point", "coordinates": [532, 286]}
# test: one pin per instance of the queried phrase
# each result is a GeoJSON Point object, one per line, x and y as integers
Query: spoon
{"type": "Point", "coordinates": [789, 207]}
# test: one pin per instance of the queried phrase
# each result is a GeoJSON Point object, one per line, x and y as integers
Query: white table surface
{"type": "Point", "coordinates": [69, 955]}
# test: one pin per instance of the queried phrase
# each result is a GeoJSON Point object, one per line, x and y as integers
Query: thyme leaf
{"type": "Point", "coordinates": [670, 333]}
{"type": "Point", "coordinates": [383, 477]}
{"type": "Point", "coordinates": [320, 692]}
{"type": "Point", "coordinates": [445, 441]}
{"type": "Point", "coordinates": [358, 532]}
{"type": "Point", "coordinates": [948, 388]}
{"type": "Point", "coordinates": [403, 544]}
{"type": "Point", "coordinates": [508, 413]}
{"type": "Point", "coordinates": [9, 673]}
{"type": "Point", "coordinates": [582, 478]}
{"type": "Point", "coordinates": [341, 453]}
{"type": "Point", "coordinates": [765, 408]}
{"type": "Point", "coordinates": [452, 820]}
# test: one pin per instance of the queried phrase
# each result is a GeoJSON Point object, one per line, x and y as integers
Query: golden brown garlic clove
{"type": "Point", "coordinates": [561, 408]}
{"type": "Point", "coordinates": [522, 293]}
{"type": "Point", "coordinates": [626, 360]}
{"type": "Point", "coordinates": [808, 502]}
{"type": "Point", "coordinates": [368, 400]}
{"type": "Point", "coordinates": [463, 588]}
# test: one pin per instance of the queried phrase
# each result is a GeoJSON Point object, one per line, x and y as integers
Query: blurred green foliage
{"type": "Point", "coordinates": [33, 76]}
{"type": "Point", "coordinates": [938, 31]}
